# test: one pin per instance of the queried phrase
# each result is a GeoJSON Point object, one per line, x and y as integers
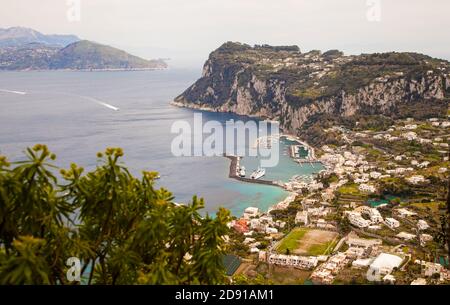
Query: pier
{"type": "Point", "coordinates": [233, 175]}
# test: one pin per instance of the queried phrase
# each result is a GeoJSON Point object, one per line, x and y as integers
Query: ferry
{"type": "Point", "coordinates": [242, 172]}
{"type": "Point", "coordinates": [258, 173]}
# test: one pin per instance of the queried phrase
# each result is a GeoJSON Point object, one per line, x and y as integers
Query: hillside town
{"type": "Point", "coordinates": [376, 214]}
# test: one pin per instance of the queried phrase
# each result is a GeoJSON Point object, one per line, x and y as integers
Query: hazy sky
{"type": "Point", "coordinates": [187, 30]}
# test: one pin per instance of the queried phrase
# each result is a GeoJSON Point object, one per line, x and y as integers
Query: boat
{"type": "Point", "coordinates": [242, 172]}
{"type": "Point", "coordinates": [258, 173]}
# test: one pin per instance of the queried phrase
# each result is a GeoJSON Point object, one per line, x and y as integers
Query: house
{"type": "Point", "coordinates": [357, 220]}
{"type": "Point", "coordinates": [375, 175]}
{"type": "Point", "coordinates": [374, 227]}
{"type": "Point", "coordinates": [301, 218]}
{"type": "Point", "coordinates": [422, 225]}
{"type": "Point", "coordinates": [241, 226]}
{"type": "Point", "coordinates": [325, 273]}
{"type": "Point", "coordinates": [416, 179]}
{"type": "Point", "coordinates": [392, 223]}
{"type": "Point", "coordinates": [423, 164]}
{"type": "Point", "coordinates": [375, 216]}
{"type": "Point", "coordinates": [250, 212]}
{"type": "Point", "coordinates": [389, 278]}
{"type": "Point", "coordinates": [424, 238]}
{"type": "Point", "coordinates": [382, 266]}
{"type": "Point", "coordinates": [256, 224]}
{"type": "Point", "coordinates": [248, 240]}
{"type": "Point", "coordinates": [410, 127]}
{"type": "Point", "coordinates": [354, 241]}
{"type": "Point", "coordinates": [254, 250]}
{"type": "Point", "coordinates": [405, 213]}
{"type": "Point", "coordinates": [262, 256]}
{"type": "Point", "coordinates": [406, 236]}
{"type": "Point", "coordinates": [442, 170]}
{"type": "Point", "coordinates": [307, 203]}
{"type": "Point", "coordinates": [419, 281]}
{"type": "Point", "coordinates": [301, 262]}
{"type": "Point", "coordinates": [270, 230]}
{"type": "Point", "coordinates": [430, 268]}
{"type": "Point", "coordinates": [367, 188]}
{"type": "Point", "coordinates": [410, 136]}
{"type": "Point", "coordinates": [355, 252]}
{"type": "Point", "coordinates": [362, 262]}
{"type": "Point", "coordinates": [322, 276]}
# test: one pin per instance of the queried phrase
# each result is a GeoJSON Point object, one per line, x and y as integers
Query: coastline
{"type": "Point", "coordinates": [234, 160]}
{"type": "Point", "coordinates": [86, 70]}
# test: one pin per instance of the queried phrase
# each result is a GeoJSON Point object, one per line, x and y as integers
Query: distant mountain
{"type": "Point", "coordinates": [85, 55]}
{"type": "Point", "coordinates": [20, 36]}
{"type": "Point", "coordinates": [80, 55]}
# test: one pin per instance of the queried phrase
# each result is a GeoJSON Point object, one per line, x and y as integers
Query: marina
{"type": "Point", "coordinates": [296, 169]}
{"type": "Point", "coordinates": [234, 165]}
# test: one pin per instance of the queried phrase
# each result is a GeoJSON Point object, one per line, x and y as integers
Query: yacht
{"type": "Point", "coordinates": [258, 173]}
{"type": "Point", "coordinates": [242, 171]}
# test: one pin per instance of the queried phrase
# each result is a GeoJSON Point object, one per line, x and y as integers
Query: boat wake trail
{"type": "Point", "coordinates": [109, 106]}
{"type": "Point", "coordinates": [100, 102]}
{"type": "Point", "coordinates": [12, 91]}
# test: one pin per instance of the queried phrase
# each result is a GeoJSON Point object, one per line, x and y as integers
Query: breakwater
{"type": "Point", "coordinates": [232, 174]}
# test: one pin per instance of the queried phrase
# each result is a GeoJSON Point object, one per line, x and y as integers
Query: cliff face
{"type": "Point", "coordinates": [280, 83]}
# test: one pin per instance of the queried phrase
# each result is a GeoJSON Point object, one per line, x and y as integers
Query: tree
{"type": "Point", "coordinates": [123, 230]}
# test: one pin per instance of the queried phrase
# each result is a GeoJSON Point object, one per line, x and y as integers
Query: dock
{"type": "Point", "coordinates": [232, 174]}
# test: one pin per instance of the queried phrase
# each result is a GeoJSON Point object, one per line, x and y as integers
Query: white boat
{"type": "Point", "coordinates": [242, 171]}
{"type": "Point", "coordinates": [258, 173]}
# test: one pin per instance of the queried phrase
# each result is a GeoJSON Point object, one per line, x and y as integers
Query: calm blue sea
{"type": "Point", "coordinates": [64, 110]}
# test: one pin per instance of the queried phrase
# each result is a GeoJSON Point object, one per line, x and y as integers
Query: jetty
{"type": "Point", "coordinates": [232, 174]}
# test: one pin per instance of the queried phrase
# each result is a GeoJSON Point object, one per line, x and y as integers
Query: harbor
{"type": "Point", "coordinates": [234, 165]}
{"type": "Point", "coordinates": [297, 165]}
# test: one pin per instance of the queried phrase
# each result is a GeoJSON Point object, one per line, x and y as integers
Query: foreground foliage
{"type": "Point", "coordinates": [123, 230]}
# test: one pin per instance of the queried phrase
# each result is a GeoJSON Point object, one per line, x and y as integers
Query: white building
{"type": "Point", "coordinates": [301, 218]}
{"type": "Point", "coordinates": [302, 262]}
{"type": "Point", "coordinates": [367, 188]}
{"type": "Point", "coordinates": [382, 266]}
{"type": "Point", "coordinates": [406, 236]}
{"type": "Point", "coordinates": [392, 223]}
{"type": "Point", "coordinates": [270, 230]}
{"type": "Point", "coordinates": [362, 262]}
{"type": "Point", "coordinates": [424, 238]}
{"type": "Point", "coordinates": [405, 213]}
{"type": "Point", "coordinates": [251, 212]}
{"type": "Point", "coordinates": [375, 216]}
{"type": "Point", "coordinates": [419, 281]}
{"type": "Point", "coordinates": [375, 175]}
{"type": "Point", "coordinates": [357, 220]}
{"type": "Point", "coordinates": [410, 136]}
{"type": "Point", "coordinates": [416, 179]}
{"type": "Point", "coordinates": [354, 241]}
{"type": "Point", "coordinates": [424, 164]}
{"type": "Point", "coordinates": [422, 225]}
{"type": "Point", "coordinates": [430, 268]}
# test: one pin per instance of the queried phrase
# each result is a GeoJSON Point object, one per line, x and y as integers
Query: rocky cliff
{"type": "Point", "coordinates": [281, 83]}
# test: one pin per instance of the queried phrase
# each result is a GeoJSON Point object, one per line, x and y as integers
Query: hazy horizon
{"type": "Point", "coordinates": [187, 31]}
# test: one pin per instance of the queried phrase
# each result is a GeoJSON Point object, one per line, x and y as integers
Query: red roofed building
{"type": "Point", "coordinates": [241, 226]}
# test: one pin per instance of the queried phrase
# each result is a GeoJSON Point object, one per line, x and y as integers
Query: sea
{"type": "Point", "coordinates": [77, 114]}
